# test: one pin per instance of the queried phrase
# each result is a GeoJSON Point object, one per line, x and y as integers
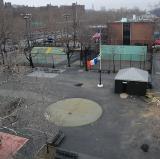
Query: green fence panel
{"type": "Point", "coordinates": [124, 53]}
{"type": "Point", "coordinates": [45, 55]}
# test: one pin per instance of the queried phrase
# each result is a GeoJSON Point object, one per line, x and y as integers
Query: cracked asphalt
{"type": "Point", "coordinates": [118, 134]}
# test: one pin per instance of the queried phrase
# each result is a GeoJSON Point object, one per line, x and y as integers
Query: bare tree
{"type": "Point", "coordinates": [5, 31]}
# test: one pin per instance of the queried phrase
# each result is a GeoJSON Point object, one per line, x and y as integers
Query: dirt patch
{"type": "Point", "coordinates": [9, 105]}
{"type": "Point", "coordinates": [9, 110]}
{"type": "Point", "coordinates": [146, 129]}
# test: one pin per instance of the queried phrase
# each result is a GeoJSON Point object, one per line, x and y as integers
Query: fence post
{"type": "Point", "coordinates": [53, 66]}
{"type": "Point", "coordinates": [131, 60]}
{"type": "Point", "coordinates": [113, 64]}
{"type": "Point", "coordinates": [140, 61]}
{"type": "Point", "coordinates": [68, 57]}
{"type": "Point", "coordinates": [151, 67]}
{"type": "Point", "coordinates": [85, 58]}
{"type": "Point", "coordinates": [144, 61]}
{"type": "Point", "coordinates": [120, 61]}
{"type": "Point", "coordinates": [81, 57]}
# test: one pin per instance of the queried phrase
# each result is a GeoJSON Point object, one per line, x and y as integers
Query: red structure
{"type": "Point", "coordinates": [130, 33]}
{"type": "Point", "coordinates": [157, 42]}
{"type": "Point", "coordinates": [10, 145]}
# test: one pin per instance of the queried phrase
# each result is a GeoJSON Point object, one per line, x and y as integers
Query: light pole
{"type": "Point", "coordinates": [27, 17]}
{"type": "Point", "coordinates": [74, 7]}
{"type": "Point", "coordinates": [67, 40]}
{"type": "Point", "coordinates": [66, 16]}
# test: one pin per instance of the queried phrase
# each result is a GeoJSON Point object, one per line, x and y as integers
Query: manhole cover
{"type": "Point", "coordinates": [73, 112]}
{"type": "Point", "coordinates": [79, 84]}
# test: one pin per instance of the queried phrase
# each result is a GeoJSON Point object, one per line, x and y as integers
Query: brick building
{"type": "Point", "coordinates": [130, 33]}
{"type": "Point", "coordinates": [74, 8]}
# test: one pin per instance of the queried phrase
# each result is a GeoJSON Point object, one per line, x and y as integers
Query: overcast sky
{"type": "Point", "coordinates": [143, 4]}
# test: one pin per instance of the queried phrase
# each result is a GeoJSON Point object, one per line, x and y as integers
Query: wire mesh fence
{"type": "Point", "coordinates": [115, 63]}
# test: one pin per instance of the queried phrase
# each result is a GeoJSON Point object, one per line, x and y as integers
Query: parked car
{"type": "Point", "coordinates": [50, 39]}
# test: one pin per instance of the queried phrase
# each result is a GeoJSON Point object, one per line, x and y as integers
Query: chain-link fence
{"type": "Point", "coordinates": [114, 63]}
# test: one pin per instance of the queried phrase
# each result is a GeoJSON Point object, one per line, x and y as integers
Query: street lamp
{"type": "Point", "coordinates": [67, 44]}
{"type": "Point", "coordinates": [66, 16]}
{"type": "Point", "coordinates": [74, 8]}
{"type": "Point", "coordinates": [27, 17]}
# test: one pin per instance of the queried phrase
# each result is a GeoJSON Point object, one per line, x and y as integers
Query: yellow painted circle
{"type": "Point", "coordinates": [73, 112]}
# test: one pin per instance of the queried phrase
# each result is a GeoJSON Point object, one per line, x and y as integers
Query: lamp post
{"type": "Point", "coordinates": [27, 17]}
{"type": "Point", "coordinates": [67, 39]}
{"type": "Point", "coordinates": [66, 16]}
{"type": "Point", "coordinates": [74, 8]}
